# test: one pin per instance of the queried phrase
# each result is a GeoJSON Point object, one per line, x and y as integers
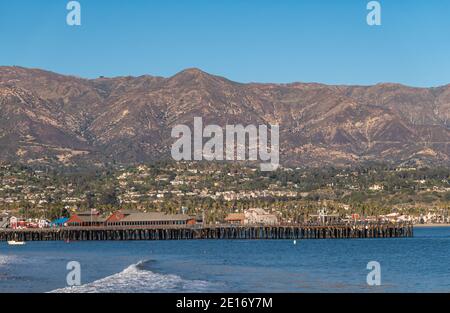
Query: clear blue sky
{"type": "Point", "coordinates": [324, 41]}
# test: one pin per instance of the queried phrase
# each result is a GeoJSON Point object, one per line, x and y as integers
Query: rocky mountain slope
{"type": "Point", "coordinates": [51, 118]}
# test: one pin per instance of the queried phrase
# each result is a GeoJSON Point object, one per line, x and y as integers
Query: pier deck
{"type": "Point", "coordinates": [210, 232]}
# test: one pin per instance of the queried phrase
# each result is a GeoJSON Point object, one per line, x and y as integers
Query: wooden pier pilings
{"type": "Point", "coordinates": [210, 232]}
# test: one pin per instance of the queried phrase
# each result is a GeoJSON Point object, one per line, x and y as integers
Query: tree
{"type": "Point", "coordinates": [109, 197]}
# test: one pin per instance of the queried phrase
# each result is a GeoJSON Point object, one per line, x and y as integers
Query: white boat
{"type": "Point", "coordinates": [16, 243]}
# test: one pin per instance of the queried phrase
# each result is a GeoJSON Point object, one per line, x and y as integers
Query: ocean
{"type": "Point", "coordinates": [419, 264]}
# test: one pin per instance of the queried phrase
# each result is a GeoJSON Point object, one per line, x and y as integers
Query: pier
{"type": "Point", "coordinates": [210, 232]}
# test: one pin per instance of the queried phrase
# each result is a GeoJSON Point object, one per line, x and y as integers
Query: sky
{"type": "Point", "coordinates": [280, 41]}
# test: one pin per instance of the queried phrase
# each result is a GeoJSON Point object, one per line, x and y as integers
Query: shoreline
{"type": "Point", "coordinates": [430, 225]}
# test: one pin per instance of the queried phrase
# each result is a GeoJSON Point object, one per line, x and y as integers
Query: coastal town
{"type": "Point", "coordinates": [216, 194]}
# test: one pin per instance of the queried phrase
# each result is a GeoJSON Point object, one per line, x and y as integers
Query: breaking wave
{"type": "Point", "coordinates": [137, 279]}
{"type": "Point", "coordinates": [6, 259]}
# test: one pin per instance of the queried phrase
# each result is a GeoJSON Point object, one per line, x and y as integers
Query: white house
{"type": "Point", "coordinates": [259, 216]}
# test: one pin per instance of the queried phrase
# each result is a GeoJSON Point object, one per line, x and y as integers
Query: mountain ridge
{"type": "Point", "coordinates": [48, 117]}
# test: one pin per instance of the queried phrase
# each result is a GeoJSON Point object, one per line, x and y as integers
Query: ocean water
{"type": "Point", "coordinates": [419, 264]}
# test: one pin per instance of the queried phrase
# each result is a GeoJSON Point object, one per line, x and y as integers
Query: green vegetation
{"type": "Point", "coordinates": [216, 189]}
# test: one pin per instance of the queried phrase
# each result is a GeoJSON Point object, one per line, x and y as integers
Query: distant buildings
{"type": "Point", "coordinates": [21, 223]}
{"type": "Point", "coordinates": [325, 218]}
{"type": "Point", "coordinates": [88, 218]}
{"type": "Point", "coordinates": [235, 219]}
{"type": "Point", "coordinates": [254, 216]}
{"type": "Point", "coordinates": [149, 219]}
{"type": "Point", "coordinates": [259, 216]}
{"type": "Point", "coordinates": [376, 187]}
{"type": "Point", "coordinates": [60, 222]}
{"type": "Point", "coordinates": [92, 218]}
{"type": "Point", "coordinates": [129, 218]}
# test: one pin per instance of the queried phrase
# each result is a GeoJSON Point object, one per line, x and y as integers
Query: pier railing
{"type": "Point", "coordinates": [178, 232]}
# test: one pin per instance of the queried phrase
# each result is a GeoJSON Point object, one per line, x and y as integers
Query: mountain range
{"type": "Point", "coordinates": [57, 119]}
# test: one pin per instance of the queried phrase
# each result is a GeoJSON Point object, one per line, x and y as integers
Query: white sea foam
{"type": "Point", "coordinates": [136, 279]}
{"type": "Point", "coordinates": [5, 259]}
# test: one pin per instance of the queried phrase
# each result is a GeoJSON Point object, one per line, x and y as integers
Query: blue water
{"type": "Point", "coordinates": [419, 264]}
